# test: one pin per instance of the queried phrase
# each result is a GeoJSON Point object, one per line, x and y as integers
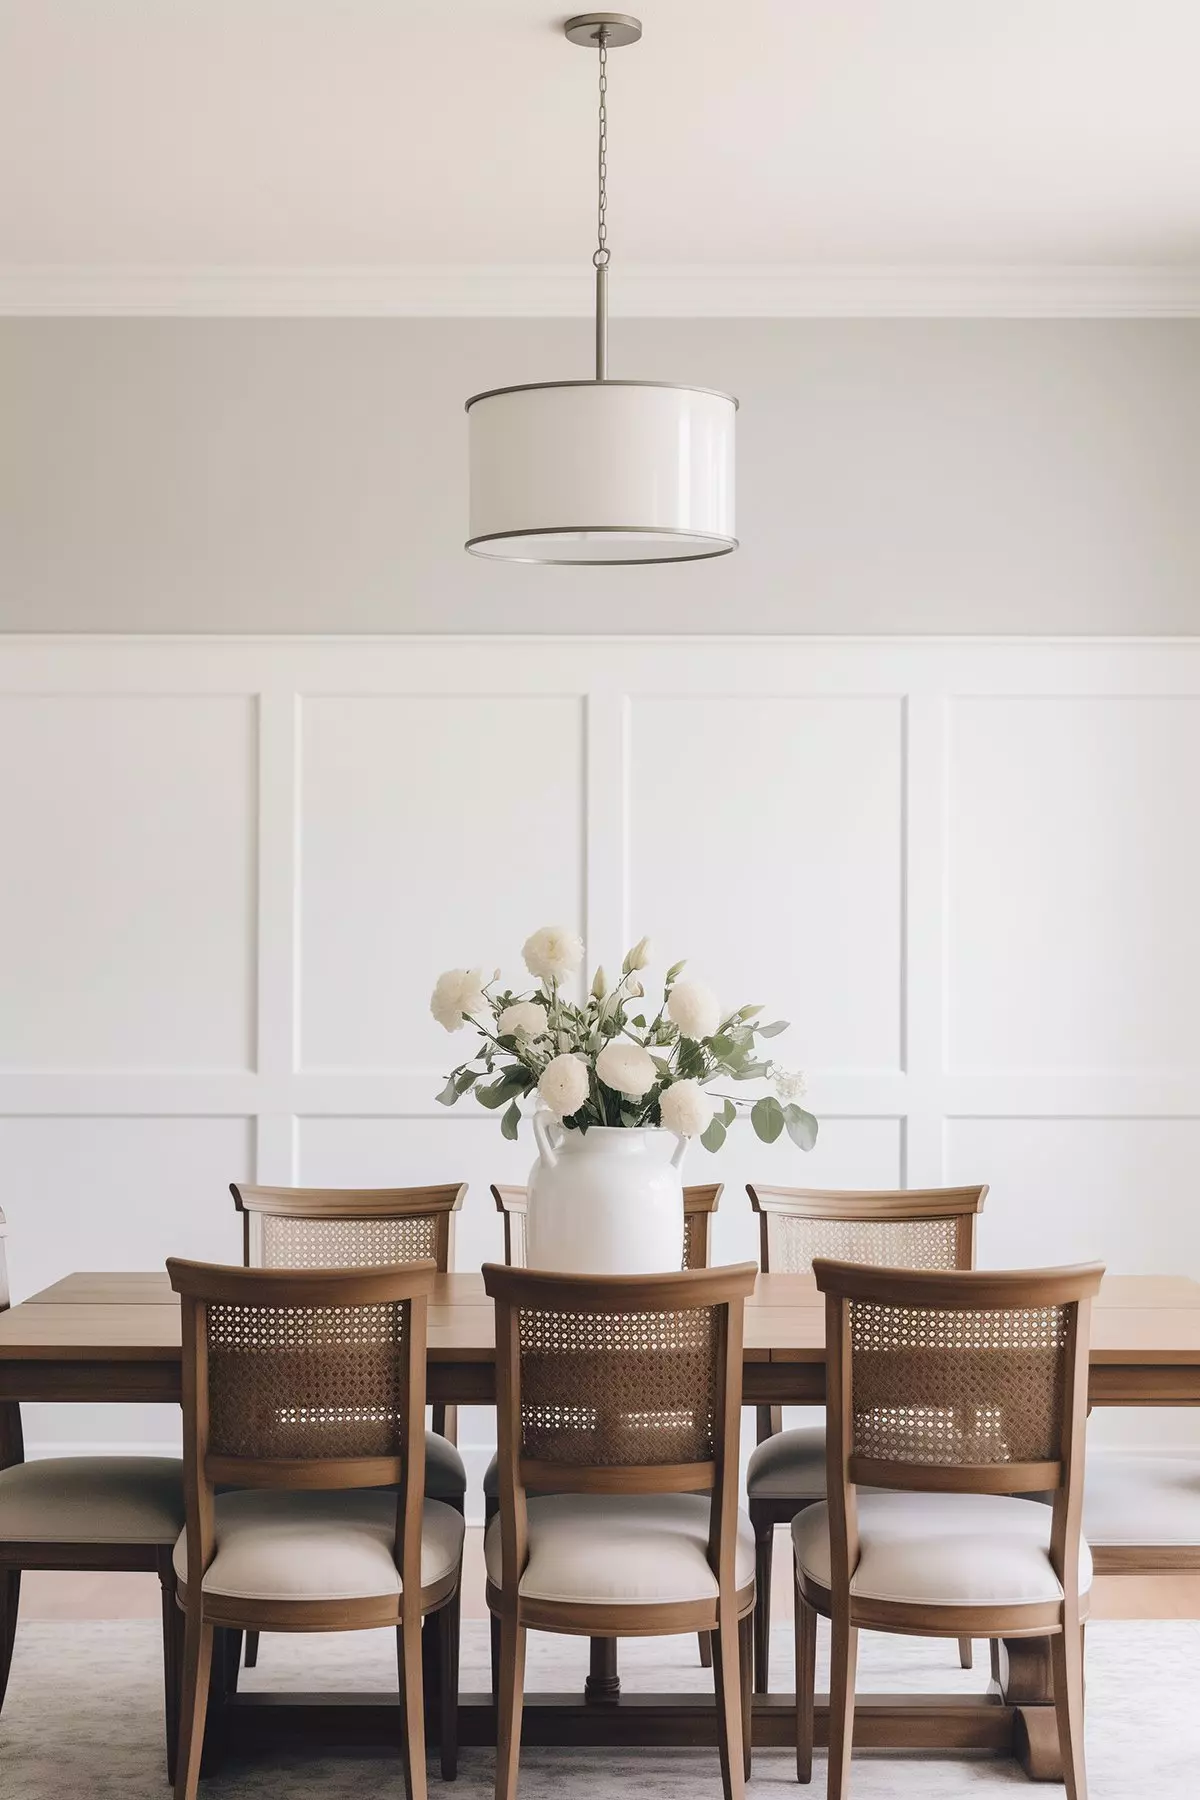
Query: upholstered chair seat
{"type": "Point", "coordinates": [273, 1545]}
{"type": "Point", "coordinates": [93, 1500]}
{"type": "Point", "coordinates": [788, 1466]}
{"type": "Point", "coordinates": [620, 1549]}
{"type": "Point", "coordinates": [1142, 1500]}
{"type": "Point", "coordinates": [445, 1471]}
{"type": "Point", "coordinates": [942, 1550]}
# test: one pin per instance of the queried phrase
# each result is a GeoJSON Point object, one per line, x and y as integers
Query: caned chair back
{"type": "Point", "coordinates": [910, 1228]}
{"type": "Point", "coordinates": [302, 1380]}
{"type": "Point", "coordinates": [347, 1228]}
{"type": "Point", "coordinates": [963, 1382]}
{"type": "Point", "coordinates": [699, 1204]}
{"type": "Point", "coordinates": [619, 1384]}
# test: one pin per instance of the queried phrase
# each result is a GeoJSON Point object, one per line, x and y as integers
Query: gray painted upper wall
{"type": "Point", "coordinates": [309, 476]}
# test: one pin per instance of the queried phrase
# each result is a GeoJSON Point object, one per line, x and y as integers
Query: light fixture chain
{"type": "Point", "coordinates": [602, 252]}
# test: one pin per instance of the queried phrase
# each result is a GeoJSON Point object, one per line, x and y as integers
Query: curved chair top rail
{"type": "Point", "coordinates": [618, 1293]}
{"type": "Point", "coordinates": [229, 1284]}
{"type": "Point", "coordinates": [868, 1203]}
{"type": "Point", "coordinates": [349, 1203]}
{"type": "Point", "coordinates": [959, 1289]}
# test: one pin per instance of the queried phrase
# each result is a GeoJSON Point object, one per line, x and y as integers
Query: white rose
{"type": "Point", "coordinates": [564, 1085]}
{"type": "Point", "coordinates": [694, 1008]}
{"type": "Point", "coordinates": [525, 1016]}
{"type": "Point", "coordinates": [552, 953]}
{"type": "Point", "coordinates": [458, 991]}
{"type": "Point", "coordinates": [789, 1084]}
{"type": "Point", "coordinates": [627, 1068]}
{"type": "Point", "coordinates": [686, 1109]}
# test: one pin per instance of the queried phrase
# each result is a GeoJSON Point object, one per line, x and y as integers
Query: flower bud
{"type": "Point", "coordinates": [599, 983]}
{"type": "Point", "coordinates": [638, 957]}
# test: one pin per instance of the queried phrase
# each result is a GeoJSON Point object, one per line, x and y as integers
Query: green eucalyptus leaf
{"type": "Point", "coordinates": [673, 973]}
{"type": "Point", "coordinates": [509, 1086]}
{"type": "Point", "coordinates": [767, 1119]}
{"type": "Point", "coordinates": [803, 1129]}
{"type": "Point", "coordinates": [449, 1093]}
{"type": "Point", "coordinates": [714, 1137]}
{"type": "Point", "coordinates": [510, 1124]}
{"type": "Point", "coordinates": [769, 1031]}
{"type": "Point", "coordinates": [465, 1080]}
{"type": "Point", "coordinates": [728, 1113]}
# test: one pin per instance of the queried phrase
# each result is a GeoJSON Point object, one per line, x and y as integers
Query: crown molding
{"type": "Point", "coordinates": [679, 291]}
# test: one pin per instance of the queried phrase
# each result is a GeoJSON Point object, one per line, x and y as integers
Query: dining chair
{"type": "Point", "coordinates": [699, 1205]}
{"type": "Point", "coordinates": [618, 1405]}
{"type": "Point", "coordinates": [304, 1394]}
{"type": "Point", "coordinates": [912, 1228]}
{"type": "Point", "coordinates": [85, 1513]}
{"type": "Point", "coordinates": [963, 1395]}
{"type": "Point", "coordinates": [342, 1228]}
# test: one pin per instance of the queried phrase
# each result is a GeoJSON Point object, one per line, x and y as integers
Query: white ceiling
{"type": "Point", "coordinates": [247, 135]}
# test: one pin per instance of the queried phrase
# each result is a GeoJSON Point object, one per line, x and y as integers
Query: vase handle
{"type": "Point", "coordinates": [541, 1132]}
{"type": "Point", "coordinates": [679, 1152]}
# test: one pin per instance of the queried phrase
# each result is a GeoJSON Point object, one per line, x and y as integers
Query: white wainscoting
{"type": "Point", "coordinates": [968, 871]}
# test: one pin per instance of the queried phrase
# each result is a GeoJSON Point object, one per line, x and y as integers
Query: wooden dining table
{"type": "Point", "coordinates": [109, 1336]}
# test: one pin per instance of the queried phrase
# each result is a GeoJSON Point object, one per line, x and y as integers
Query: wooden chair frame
{"type": "Point", "coordinates": [699, 1205]}
{"type": "Point", "coordinates": [201, 1285]}
{"type": "Point", "coordinates": [898, 1206]}
{"type": "Point", "coordinates": [727, 1616]}
{"type": "Point", "coordinates": [16, 1556]}
{"type": "Point", "coordinates": [1062, 1621]}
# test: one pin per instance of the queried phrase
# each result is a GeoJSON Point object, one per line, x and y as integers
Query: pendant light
{"type": "Point", "coordinates": [607, 470]}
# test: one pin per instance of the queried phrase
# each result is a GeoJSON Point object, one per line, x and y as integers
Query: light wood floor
{"type": "Point", "coordinates": [59, 1595]}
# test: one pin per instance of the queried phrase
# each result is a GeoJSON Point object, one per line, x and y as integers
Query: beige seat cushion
{"type": "Point", "coordinates": [319, 1546]}
{"type": "Point", "coordinates": [93, 1500]}
{"type": "Point", "coordinates": [943, 1550]}
{"type": "Point", "coordinates": [1141, 1499]}
{"type": "Point", "coordinates": [491, 1479]}
{"type": "Point", "coordinates": [620, 1549]}
{"type": "Point", "coordinates": [445, 1471]}
{"type": "Point", "coordinates": [789, 1466]}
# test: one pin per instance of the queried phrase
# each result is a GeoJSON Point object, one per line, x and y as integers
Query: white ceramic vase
{"type": "Point", "coordinates": [607, 1201]}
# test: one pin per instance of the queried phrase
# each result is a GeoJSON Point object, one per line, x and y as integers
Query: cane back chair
{"type": "Point", "coordinates": [916, 1228]}
{"type": "Point", "coordinates": [967, 1393]}
{"type": "Point", "coordinates": [699, 1205]}
{"type": "Point", "coordinates": [86, 1513]}
{"type": "Point", "coordinates": [304, 1392]}
{"type": "Point", "coordinates": [618, 1408]}
{"type": "Point", "coordinates": [352, 1228]}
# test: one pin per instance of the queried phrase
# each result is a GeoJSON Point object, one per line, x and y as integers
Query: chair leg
{"type": "Point", "coordinates": [412, 1701]}
{"type": "Point", "coordinates": [764, 1545]}
{"type": "Point", "coordinates": [172, 1623]}
{"type": "Point", "coordinates": [806, 1681]}
{"type": "Point", "coordinates": [448, 1636]}
{"type": "Point", "coordinates": [728, 1684]}
{"type": "Point", "coordinates": [966, 1653]}
{"type": "Point", "coordinates": [1066, 1665]}
{"type": "Point", "coordinates": [745, 1674]}
{"type": "Point", "coordinates": [197, 1668]}
{"type": "Point", "coordinates": [843, 1659]}
{"type": "Point", "coordinates": [495, 1635]}
{"type": "Point", "coordinates": [705, 1641]}
{"type": "Point", "coordinates": [510, 1705]}
{"type": "Point", "coordinates": [10, 1600]}
{"type": "Point", "coordinates": [233, 1660]}
{"type": "Point", "coordinates": [251, 1657]}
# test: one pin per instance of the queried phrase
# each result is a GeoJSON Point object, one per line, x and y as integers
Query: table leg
{"type": "Point", "coordinates": [603, 1682]}
{"type": "Point", "coordinates": [1022, 1669]}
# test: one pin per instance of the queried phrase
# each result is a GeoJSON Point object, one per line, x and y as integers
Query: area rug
{"type": "Point", "coordinates": [82, 1720]}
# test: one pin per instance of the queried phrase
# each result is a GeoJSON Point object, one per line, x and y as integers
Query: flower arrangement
{"type": "Point", "coordinates": [605, 1063]}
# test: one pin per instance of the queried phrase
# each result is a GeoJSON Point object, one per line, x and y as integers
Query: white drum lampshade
{"type": "Point", "coordinates": [601, 472]}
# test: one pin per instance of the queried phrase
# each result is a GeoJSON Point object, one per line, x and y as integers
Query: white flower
{"type": "Point", "coordinates": [458, 991]}
{"type": "Point", "coordinates": [694, 1008]}
{"type": "Point", "coordinates": [564, 1085]}
{"type": "Point", "coordinates": [687, 1109]}
{"type": "Point", "coordinates": [638, 957]}
{"type": "Point", "coordinates": [523, 1016]}
{"type": "Point", "coordinates": [627, 1068]}
{"type": "Point", "coordinates": [552, 953]}
{"type": "Point", "coordinates": [789, 1085]}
